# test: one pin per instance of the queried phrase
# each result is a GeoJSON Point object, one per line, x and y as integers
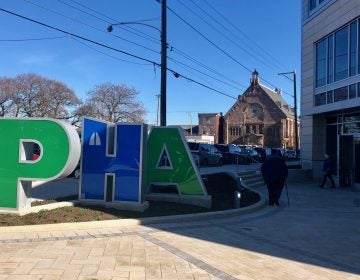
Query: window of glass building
{"type": "Point", "coordinates": [352, 91]}
{"type": "Point", "coordinates": [352, 117]}
{"type": "Point", "coordinates": [330, 65]}
{"type": "Point", "coordinates": [320, 99]}
{"type": "Point", "coordinates": [341, 94]}
{"type": "Point", "coordinates": [353, 47]}
{"type": "Point", "coordinates": [331, 120]}
{"type": "Point", "coordinates": [341, 54]}
{"type": "Point", "coordinates": [312, 4]}
{"type": "Point", "coordinates": [321, 63]}
{"type": "Point", "coordinates": [330, 96]}
{"type": "Point", "coordinates": [358, 91]}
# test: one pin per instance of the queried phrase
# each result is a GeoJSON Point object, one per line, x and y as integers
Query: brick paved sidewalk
{"type": "Point", "coordinates": [316, 237]}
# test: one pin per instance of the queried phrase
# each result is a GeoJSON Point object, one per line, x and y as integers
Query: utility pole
{"type": "Point", "coordinates": [158, 109]}
{"type": "Point", "coordinates": [163, 65]}
{"type": "Point", "coordinates": [190, 123]}
{"type": "Point", "coordinates": [296, 122]}
{"type": "Point", "coordinates": [295, 113]}
{"type": "Point", "coordinates": [163, 57]}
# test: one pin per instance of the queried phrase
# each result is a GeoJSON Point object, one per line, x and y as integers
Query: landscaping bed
{"type": "Point", "coordinates": [220, 186]}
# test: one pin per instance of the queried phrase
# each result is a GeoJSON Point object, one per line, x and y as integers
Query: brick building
{"type": "Point", "coordinates": [260, 116]}
{"type": "Point", "coordinates": [210, 125]}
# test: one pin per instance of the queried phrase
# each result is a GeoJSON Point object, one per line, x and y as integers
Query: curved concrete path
{"type": "Point", "coordinates": [316, 237]}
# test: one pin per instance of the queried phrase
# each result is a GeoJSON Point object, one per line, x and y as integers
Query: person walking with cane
{"type": "Point", "coordinates": [328, 170]}
{"type": "Point", "coordinates": [274, 172]}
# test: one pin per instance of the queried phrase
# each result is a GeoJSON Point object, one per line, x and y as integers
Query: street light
{"type": "Point", "coordinates": [295, 112]}
{"type": "Point", "coordinates": [110, 27]}
{"type": "Point", "coordinates": [163, 57]}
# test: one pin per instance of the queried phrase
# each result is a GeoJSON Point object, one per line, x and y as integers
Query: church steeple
{"type": "Point", "coordinates": [255, 78]}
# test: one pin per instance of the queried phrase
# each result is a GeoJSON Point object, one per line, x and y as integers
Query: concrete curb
{"type": "Point", "coordinates": [134, 222]}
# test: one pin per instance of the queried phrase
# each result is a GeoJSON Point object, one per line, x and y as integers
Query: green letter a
{"type": "Point", "coordinates": [169, 162]}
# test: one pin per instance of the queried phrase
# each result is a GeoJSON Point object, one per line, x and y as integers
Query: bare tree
{"type": "Point", "coordinates": [85, 109]}
{"type": "Point", "coordinates": [114, 103]}
{"type": "Point", "coordinates": [6, 97]}
{"type": "Point", "coordinates": [36, 96]}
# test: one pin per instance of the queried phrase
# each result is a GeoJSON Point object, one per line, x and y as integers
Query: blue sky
{"type": "Point", "coordinates": [214, 42]}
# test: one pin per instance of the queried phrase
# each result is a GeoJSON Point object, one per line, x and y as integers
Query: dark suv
{"type": "Point", "coordinates": [206, 153]}
{"type": "Point", "coordinates": [231, 153]}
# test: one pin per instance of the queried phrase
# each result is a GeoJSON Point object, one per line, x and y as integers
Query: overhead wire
{"type": "Point", "coordinates": [203, 73]}
{"type": "Point", "coordinates": [171, 47]}
{"type": "Point", "coordinates": [112, 21]}
{"type": "Point", "coordinates": [208, 40]}
{"type": "Point", "coordinates": [108, 22]}
{"type": "Point", "coordinates": [221, 32]}
{"type": "Point", "coordinates": [117, 50]}
{"type": "Point", "coordinates": [253, 42]}
{"type": "Point", "coordinates": [109, 55]}
{"type": "Point", "coordinates": [90, 26]}
{"type": "Point", "coordinates": [33, 39]}
{"type": "Point", "coordinates": [207, 67]}
{"type": "Point", "coordinates": [218, 47]}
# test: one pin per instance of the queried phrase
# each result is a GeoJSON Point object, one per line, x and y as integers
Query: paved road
{"type": "Point", "coordinates": [316, 237]}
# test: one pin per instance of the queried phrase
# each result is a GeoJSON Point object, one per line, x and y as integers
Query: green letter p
{"type": "Point", "coordinates": [59, 154]}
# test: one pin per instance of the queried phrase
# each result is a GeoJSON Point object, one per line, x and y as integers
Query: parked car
{"type": "Point", "coordinates": [252, 153]}
{"type": "Point", "coordinates": [207, 153]}
{"type": "Point", "coordinates": [278, 152]}
{"type": "Point", "coordinates": [231, 154]}
{"type": "Point", "coordinates": [290, 154]}
{"type": "Point", "coordinates": [196, 157]}
{"type": "Point", "coordinates": [261, 152]}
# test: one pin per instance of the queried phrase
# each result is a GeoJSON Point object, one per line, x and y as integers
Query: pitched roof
{"type": "Point", "coordinates": [279, 101]}
{"type": "Point", "coordinates": [273, 95]}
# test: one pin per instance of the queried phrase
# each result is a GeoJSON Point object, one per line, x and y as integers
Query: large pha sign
{"type": "Point", "coordinates": [120, 163]}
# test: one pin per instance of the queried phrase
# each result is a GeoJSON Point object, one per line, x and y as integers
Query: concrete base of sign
{"type": "Point", "coordinates": [36, 209]}
{"type": "Point", "coordinates": [131, 206]}
{"type": "Point", "coordinates": [24, 195]}
{"type": "Point", "coordinates": [120, 205]}
{"type": "Point", "coordinates": [202, 201]}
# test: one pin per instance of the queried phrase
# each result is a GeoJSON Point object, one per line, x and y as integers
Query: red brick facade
{"type": "Point", "coordinates": [260, 117]}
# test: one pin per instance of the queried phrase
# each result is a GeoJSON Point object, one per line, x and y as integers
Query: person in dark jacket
{"type": "Point", "coordinates": [328, 170]}
{"type": "Point", "coordinates": [274, 172]}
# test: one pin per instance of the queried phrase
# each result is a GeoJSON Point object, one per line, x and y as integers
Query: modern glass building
{"type": "Point", "coordinates": [330, 85]}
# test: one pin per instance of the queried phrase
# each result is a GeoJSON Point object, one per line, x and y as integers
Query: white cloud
{"type": "Point", "coordinates": [38, 59]}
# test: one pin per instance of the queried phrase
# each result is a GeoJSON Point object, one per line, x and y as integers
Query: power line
{"type": "Point", "coordinates": [66, 37]}
{"type": "Point", "coordinates": [78, 36]}
{"type": "Point", "coordinates": [105, 32]}
{"type": "Point", "coordinates": [90, 26]}
{"type": "Point", "coordinates": [33, 39]}
{"type": "Point", "coordinates": [151, 19]}
{"type": "Point", "coordinates": [207, 67]}
{"type": "Point", "coordinates": [216, 46]}
{"type": "Point", "coordinates": [176, 74]}
{"type": "Point", "coordinates": [109, 55]}
{"type": "Point", "coordinates": [112, 20]}
{"type": "Point", "coordinates": [243, 34]}
{"type": "Point", "coordinates": [67, 4]}
{"type": "Point", "coordinates": [221, 32]}
{"type": "Point", "coordinates": [211, 42]}
{"type": "Point", "coordinates": [201, 72]}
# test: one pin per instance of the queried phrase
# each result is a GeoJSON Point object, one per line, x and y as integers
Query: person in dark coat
{"type": "Point", "coordinates": [328, 170]}
{"type": "Point", "coordinates": [274, 172]}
